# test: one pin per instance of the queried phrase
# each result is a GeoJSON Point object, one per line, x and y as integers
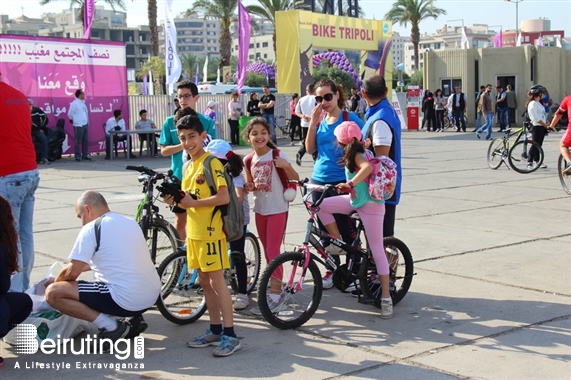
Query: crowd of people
{"type": "Point", "coordinates": [335, 130]}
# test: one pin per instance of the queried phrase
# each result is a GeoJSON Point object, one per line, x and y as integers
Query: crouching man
{"type": "Point", "coordinates": [125, 281]}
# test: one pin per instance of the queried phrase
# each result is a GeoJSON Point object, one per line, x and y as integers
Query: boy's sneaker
{"type": "Point", "coordinates": [298, 159]}
{"type": "Point", "coordinates": [335, 250]}
{"type": "Point", "coordinates": [242, 301]}
{"type": "Point", "coordinates": [567, 170]}
{"type": "Point", "coordinates": [120, 332]}
{"type": "Point", "coordinates": [205, 340]}
{"type": "Point", "coordinates": [543, 166]}
{"type": "Point", "coordinates": [530, 167]}
{"type": "Point", "coordinates": [44, 161]}
{"type": "Point", "coordinates": [228, 345]}
{"type": "Point", "coordinates": [386, 309]}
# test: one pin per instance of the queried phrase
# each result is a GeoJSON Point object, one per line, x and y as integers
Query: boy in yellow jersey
{"type": "Point", "coordinates": [206, 242]}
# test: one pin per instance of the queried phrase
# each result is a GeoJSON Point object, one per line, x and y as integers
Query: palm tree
{"type": "Point", "coordinates": [225, 12]}
{"type": "Point", "coordinates": [152, 16]}
{"type": "Point", "coordinates": [113, 3]}
{"type": "Point", "coordinates": [413, 11]}
{"type": "Point", "coordinates": [188, 63]}
{"type": "Point", "coordinates": [268, 8]}
{"type": "Point", "coordinates": [157, 67]}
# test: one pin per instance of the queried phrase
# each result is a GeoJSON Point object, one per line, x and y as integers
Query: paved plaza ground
{"type": "Point", "coordinates": [491, 298]}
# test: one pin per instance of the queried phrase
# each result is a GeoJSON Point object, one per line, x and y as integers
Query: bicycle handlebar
{"type": "Point", "coordinates": [149, 171]}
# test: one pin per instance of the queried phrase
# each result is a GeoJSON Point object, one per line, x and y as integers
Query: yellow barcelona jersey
{"type": "Point", "coordinates": [201, 223]}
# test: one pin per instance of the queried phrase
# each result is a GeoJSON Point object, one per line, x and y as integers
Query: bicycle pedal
{"type": "Point", "coordinates": [366, 300]}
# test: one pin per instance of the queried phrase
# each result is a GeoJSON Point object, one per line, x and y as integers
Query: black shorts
{"type": "Point", "coordinates": [178, 210]}
{"type": "Point", "coordinates": [96, 295]}
{"type": "Point", "coordinates": [389, 221]}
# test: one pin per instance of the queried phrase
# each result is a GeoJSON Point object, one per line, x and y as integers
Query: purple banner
{"type": "Point", "coordinates": [88, 16]}
{"type": "Point", "coordinates": [244, 30]}
{"type": "Point", "coordinates": [498, 39]}
{"type": "Point", "coordinates": [50, 70]}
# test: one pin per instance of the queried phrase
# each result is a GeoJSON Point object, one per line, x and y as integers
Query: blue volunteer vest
{"type": "Point", "coordinates": [384, 111]}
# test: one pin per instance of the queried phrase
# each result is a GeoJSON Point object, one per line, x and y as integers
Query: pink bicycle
{"type": "Point", "coordinates": [291, 286]}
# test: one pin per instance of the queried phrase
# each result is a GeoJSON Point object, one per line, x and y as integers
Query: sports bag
{"type": "Point", "coordinates": [383, 179]}
{"type": "Point", "coordinates": [233, 212]}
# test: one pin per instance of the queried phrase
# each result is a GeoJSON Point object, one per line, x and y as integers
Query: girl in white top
{"type": "Point", "coordinates": [536, 113]}
{"type": "Point", "coordinates": [270, 206]}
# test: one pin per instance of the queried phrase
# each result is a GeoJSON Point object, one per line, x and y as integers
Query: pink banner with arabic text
{"type": "Point", "coordinates": [50, 70]}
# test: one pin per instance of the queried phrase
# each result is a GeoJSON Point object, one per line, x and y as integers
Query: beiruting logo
{"type": "Point", "coordinates": [26, 343]}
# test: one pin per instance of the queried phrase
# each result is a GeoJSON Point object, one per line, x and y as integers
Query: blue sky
{"type": "Point", "coordinates": [491, 12]}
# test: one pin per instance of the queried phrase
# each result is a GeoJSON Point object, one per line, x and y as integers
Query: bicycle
{"type": "Point", "coordinates": [564, 178]}
{"type": "Point", "coordinates": [162, 238]}
{"type": "Point", "coordinates": [300, 277]}
{"type": "Point", "coordinates": [517, 154]}
{"type": "Point", "coordinates": [182, 300]}
{"type": "Point", "coordinates": [449, 121]}
{"type": "Point", "coordinates": [285, 128]}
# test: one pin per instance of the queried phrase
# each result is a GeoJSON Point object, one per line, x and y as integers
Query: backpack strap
{"type": "Point", "coordinates": [281, 171]}
{"type": "Point", "coordinates": [248, 164]}
{"type": "Point", "coordinates": [98, 232]}
{"type": "Point", "coordinates": [208, 174]}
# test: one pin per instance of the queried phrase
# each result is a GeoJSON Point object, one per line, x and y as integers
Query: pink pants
{"type": "Point", "coordinates": [372, 215]}
{"type": "Point", "coordinates": [271, 230]}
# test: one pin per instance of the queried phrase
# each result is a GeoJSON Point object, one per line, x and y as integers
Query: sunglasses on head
{"type": "Point", "coordinates": [326, 97]}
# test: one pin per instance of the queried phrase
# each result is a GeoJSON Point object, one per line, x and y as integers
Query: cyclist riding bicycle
{"type": "Point", "coordinates": [565, 106]}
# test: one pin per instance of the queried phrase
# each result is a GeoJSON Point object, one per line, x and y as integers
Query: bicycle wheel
{"type": "Point", "coordinates": [496, 153]}
{"type": "Point", "coordinates": [253, 255]}
{"type": "Point", "coordinates": [181, 300]}
{"type": "Point", "coordinates": [161, 238]}
{"type": "Point", "coordinates": [446, 123]}
{"type": "Point", "coordinates": [300, 295]}
{"type": "Point", "coordinates": [401, 268]}
{"type": "Point", "coordinates": [564, 178]}
{"type": "Point", "coordinates": [518, 156]}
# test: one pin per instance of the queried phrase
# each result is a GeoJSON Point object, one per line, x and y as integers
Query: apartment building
{"type": "Point", "coordinates": [195, 35]}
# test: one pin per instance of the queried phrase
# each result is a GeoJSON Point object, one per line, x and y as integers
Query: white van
{"type": "Point", "coordinates": [214, 89]}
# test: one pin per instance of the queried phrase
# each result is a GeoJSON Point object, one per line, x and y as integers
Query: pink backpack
{"type": "Point", "coordinates": [383, 180]}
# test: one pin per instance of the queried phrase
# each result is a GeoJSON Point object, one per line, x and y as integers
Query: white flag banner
{"type": "Point", "coordinates": [205, 70]}
{"type": "Point", "coordinates": [172, 61]}
{"type": "Point", "coordinates": [558, 42]}
{"type": "Point", "coordinates": [464, 40]}
{"type": "Point", "coordinates": [518, 42]}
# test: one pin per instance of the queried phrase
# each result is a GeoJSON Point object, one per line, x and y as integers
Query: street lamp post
{"type": "Point", "coordinates": [516, 14]}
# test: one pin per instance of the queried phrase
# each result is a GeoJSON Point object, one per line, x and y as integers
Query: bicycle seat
{"type": "Point", "coordinates": [354, 215]}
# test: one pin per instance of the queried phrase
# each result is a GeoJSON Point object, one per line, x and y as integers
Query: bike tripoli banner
{"type": "Point", "coordinates": [298, 33]}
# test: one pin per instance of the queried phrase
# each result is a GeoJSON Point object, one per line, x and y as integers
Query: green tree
{"type": "Point", "coordinates": [405, 78]}
{"type": "Point", "coordinates": [268, 8]}
{"type": "Point", "coordinates": [188, 63]}
{"type": "Point", "coordinates": [113, 3]}
{"type": "Point", "coordinates": [152, 16]}
{"type": "Point", "coordinates": [416, 78]}
{"type": "Point", "coordinates": [223, 11]}
{"type": "Point", "coordinates": [413, 12]}
{"type": "Point", "coordinates": [337, 76]}
{"type": "Point", "coordinates": [255, 80]}
{"type": "Point", "coordinates": [157, 67]}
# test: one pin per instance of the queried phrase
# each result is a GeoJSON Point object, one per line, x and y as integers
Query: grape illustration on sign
{"type": "Point", "coordinates": [339, 60]}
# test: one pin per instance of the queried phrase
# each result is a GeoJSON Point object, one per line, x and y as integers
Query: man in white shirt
{"type": "Point", "coordinates": [125, 281]}
{"type": "Point", "coordinates": [79, 118]}
{"type": "Point", "coordinates": [303, 110]}
{"type": "Point", "coordinates": [115, 123]}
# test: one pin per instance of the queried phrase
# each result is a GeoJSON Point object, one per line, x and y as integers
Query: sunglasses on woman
{"type": "Point", "coordinates": [326, 97]}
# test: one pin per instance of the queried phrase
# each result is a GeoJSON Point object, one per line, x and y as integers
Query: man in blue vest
{"type": "Point", "coordinates": [459, 108]}
{"type": "Point", "coordinates": [383, 129]}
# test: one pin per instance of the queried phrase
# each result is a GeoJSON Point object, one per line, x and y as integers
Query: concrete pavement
{"type": "Point", "coordinates": [491, 298]}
